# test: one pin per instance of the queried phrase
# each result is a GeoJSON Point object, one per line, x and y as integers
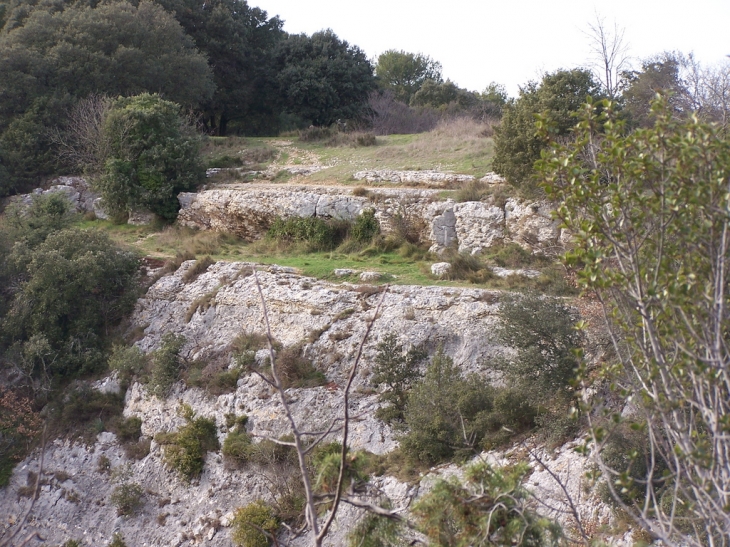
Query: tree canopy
{"type": "Point", "coordinates": [239, 42]}
{"type": "Point", "coordinates": [322, 78]}
{"type": "Point", "coordinates": [404, 73]}
{"type": "Point", "coordinates": [557, 97]}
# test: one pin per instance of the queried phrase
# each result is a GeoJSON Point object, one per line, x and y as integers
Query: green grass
{"type": "Point", "coordinates": [400, 266]}
{"type": "Point", "coordinates": [459, 146]}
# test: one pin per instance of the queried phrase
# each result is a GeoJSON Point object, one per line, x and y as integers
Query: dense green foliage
{"type": "Point", "coordinates": [558, 98]}
{"type": "Point", "coordinates": [447, 413]}
{"type": "Point", "coordinates": [252, 523]}
{"type": "Point", "coordinates": [542, 330]}
{"type": "Point", "coordinates": [65, 289]}
{"type": "Point", "coordinates": [53, 54]}
{"type": "Point", "coordinates": [239, 41]}
{"type": "Point", "coordinates": [322, 78]}
{"type": "Point", "coordinates": [166, 364]}
{"type": "Point", "coordinates": [153, 156]}
{"type": "Point", "coordinates": [404, 73]}
{"type": "Point", "coordinates": [318, 234]}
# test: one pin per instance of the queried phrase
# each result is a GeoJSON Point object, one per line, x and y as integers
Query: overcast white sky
{"type": "Point", "coordinates": [510, 41]}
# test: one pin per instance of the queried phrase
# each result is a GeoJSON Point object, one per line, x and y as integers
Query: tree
{"type": "Point", "coordinates": [404, 73]}
{"type": "Point", "coordinates": [649, 214]}
{"type": "Point", "coordinates": [53, 54]}
{"type": "Point", "coordinates": [322, 78]}
{"type": "Point", "coordinates": [153, 155]}
{"type": "Point", "coordinates": [239, 42]}
{"type": "Point", "coordinates": [610, 58]}
{"type": "Point", "coordinates": [397, 371]}
{"type": "Point", "coordinates": [660, 74]}
{"type": "Point", "coordinates": [558, 97]}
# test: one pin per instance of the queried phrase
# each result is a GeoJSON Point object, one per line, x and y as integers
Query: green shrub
{"type": "Point", "coordinates": [72, 543]}
{"type": "Point", "coordinates": [252, 523]}
{"type": "Point", "coordinates": [154, 155]}
{"type": "Point", "coordinates": [365, 227]}
{"type": "Point", "coordinates": [558, 97]}
{"type": "Point", "coordinates": [542, 330]}
{"type": "Point", "coordinates": [396, 370]}
{"type": "Point", "coordinates": [85, 412]}
{"type": "Point", "coordinates": [326, 459]}
{"type": "Point", "coordinates": [268, 453]}
{"type": "Point", "coordinates": [71, 289]}
{"type": "Point", "coordinates": [130, 429]}
{"type": "Point", "coordinates": [166, 364]}
{"type": "Point", "coordinates": [128, 498]}
{"type": "Point", "coordinates": [488, 507]}
{"type": "Point", "coordinates": [127, 362]}
{"type": "Point", "coordinates": [376, 531]}
{"type": "Point", "coordinates": [185, 449]}
{"type": "Point", "coordinates": [447, 414]}
{"type": "Point", "coordinates": [238, 448]}
{"type": "Point", "coordinates": [316, 233]}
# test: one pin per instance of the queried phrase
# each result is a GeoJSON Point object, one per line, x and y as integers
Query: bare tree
{"type": "Point", "coordinates": [83, 144]}
{"type": "Point", "coordinates": [609, 54]}
{"type": "Point", "coordinates": [316, 530]}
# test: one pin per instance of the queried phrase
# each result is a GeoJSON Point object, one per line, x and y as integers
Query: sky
{"type": "Point", "coordinates": [511, 41]}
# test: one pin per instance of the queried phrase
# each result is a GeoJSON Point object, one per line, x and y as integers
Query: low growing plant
{"type": "Point", "coordinates": [253, 525]}
{"type": "Point", "coordinates": [185, 449]}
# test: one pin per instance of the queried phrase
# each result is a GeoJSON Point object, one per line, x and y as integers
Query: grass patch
{"type": "Point", "coordinates": [227, 152]}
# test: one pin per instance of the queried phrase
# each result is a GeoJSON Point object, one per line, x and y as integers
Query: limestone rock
{"type": "Point", "coordinates": [440, 269]}
{"type": "Point", "coordinates": [426, 177]}
{"type": "Point", "coordinates": [370, 276]}
{"type": "Point", "coordinates": [506, 272]}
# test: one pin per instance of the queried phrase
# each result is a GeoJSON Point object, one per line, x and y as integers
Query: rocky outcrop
{"type": "Point", "coordinates": [249, 210]}
{"type": "Point", "coordinates": [329, 320]}
{"type": "Point", "coordinates": [76, 189]}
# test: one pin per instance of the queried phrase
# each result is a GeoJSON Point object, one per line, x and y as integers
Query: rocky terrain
{"type": "Point", "coordinates": [328, 320]}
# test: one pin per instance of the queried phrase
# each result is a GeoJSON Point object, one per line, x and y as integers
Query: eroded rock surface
{"type": "Point", "coordinates": [249, 210]}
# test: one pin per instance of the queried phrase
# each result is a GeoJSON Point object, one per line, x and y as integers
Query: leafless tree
{"type": "Point", "coordinates": [83, 144]}
{"type": "Point", "coordinates": [315, 528]}
{"type": "Point", "coordinates": [609, 54]}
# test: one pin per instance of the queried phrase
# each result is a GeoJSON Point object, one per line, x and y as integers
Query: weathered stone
{"type": "Point", "coordinates": [440, 269]}
{"type": "Point", "coordinates": [140, 218]}
{"type": "Point", "coordinates": [426, 177]}
{"type": "Point", "coordinates": [506, 272]}
{"type": "Point", "coordinates": [370, 276]}
{"type": "Point", "coordinates": [343, 272]}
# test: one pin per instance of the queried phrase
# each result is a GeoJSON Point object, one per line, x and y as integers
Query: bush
{"type": "Point", "coordinates": [397, 370]}
{"type": "Point", "coordinates": [313, 134]}
{"type": "Point", "coordinates": [130, 429]}
{"type": "Point", "coordinates": [365, 227]}
{"type": "Point", "coordinates": [326, 459]}
{"type": "Point", "coordinates": [468, 267]}
{"type": "Point", "coordinates": [318, 234]}
{"type": "Point", "coordinates": [166, 364]}
{"type": "Point", "coordinates": [474, 190]}
{"type": "Point", "coordinates": [127, 362]}
{"type": "Point", "coordinates": [128, 498]}
{"type": "Point", "coordinates": [117, 541]}
{"type": "Point", "coordinates": [238, 448]}
{"type": "Point", "coordinates": [185, 450]}
{"type": "Point", "coordinates": [252, 523]}
{"type": "Point", "coordinates": [295, 370]}
{"type": "Point", "coordinates": [154, 155]}
{"type": "Point", "coordinates": [447, 413]}
{"type": "Point", "coordinates": [70, 290]}
{"type": "Point", "coordinates": [542, 330]}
